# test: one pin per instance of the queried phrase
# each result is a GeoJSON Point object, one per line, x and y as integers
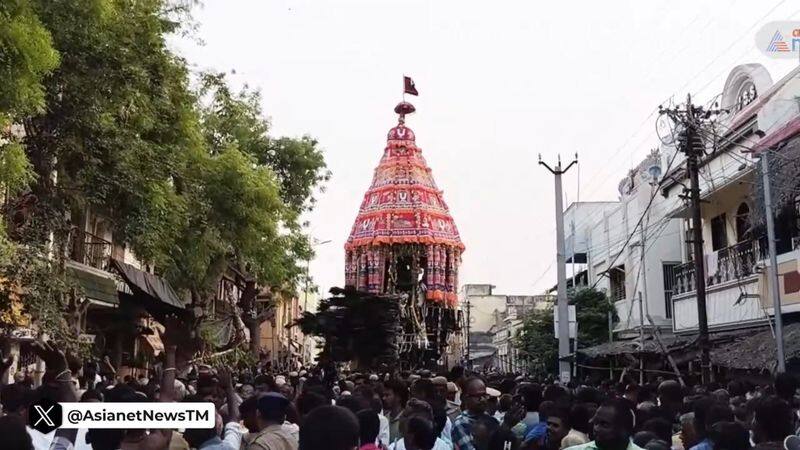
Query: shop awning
{"type": "Point", "coordinates": [151, 292]}
{"type": "Point", "coordinates": [97, 288]}
{"type": "Point", "coordinates": [758, 351]}
{"type": "Point", "coordinates": [633, 347]}
{"type": "Point", "coordinates": [479, 354]}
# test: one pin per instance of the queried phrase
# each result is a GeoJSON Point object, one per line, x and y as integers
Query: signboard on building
{"type": "Point", "coordinates": [573, 322]}
{"type": "Point", "coordinates": [22, 333]}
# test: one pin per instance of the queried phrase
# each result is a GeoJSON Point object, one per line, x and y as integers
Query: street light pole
{"type": "Point", "coordinates": [565, 374]}
{"type": "Point", "coordinates": [773, 262]}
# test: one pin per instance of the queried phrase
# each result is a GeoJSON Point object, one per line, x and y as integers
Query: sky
{"type": "Point", "coordinates": [500, 83]}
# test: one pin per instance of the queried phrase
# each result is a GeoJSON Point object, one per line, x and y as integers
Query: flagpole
{"type": "Point", "coordinates": [404, 87]}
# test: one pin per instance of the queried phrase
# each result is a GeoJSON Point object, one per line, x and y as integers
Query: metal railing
{"type": "Point", "coordinates": [728, 264]}
{"type": "Point", "coordinates": [94, 251]}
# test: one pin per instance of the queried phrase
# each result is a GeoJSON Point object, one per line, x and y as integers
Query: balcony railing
{"type": "Point", "coordinates": [94, 251]}
{"type": "Point", "coordinates": [732, 263]}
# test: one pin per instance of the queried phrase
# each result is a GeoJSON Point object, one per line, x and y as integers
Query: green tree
{"type": "Point", "coordinates": [244, 204]}
{"type": "Point", "coordinates": [592, 307]}
{"type": "Point", "coordinates": [120, 120]}
{"type": "Point", "coordinates": [26, 56]}
{"type": "Point", "coordinates": [190, 178]}
{"type": "Point", "coordinates": [119, 126]}
{"type": "Point", "coordinates": [537, 343]}
{"type": "Point", "coordinates": [536, 339]}
{"type": "Point", "coordinates": [236, 117]}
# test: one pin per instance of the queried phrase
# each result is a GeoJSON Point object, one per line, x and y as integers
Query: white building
{"type": "Point", "coordinates": [761, 114]}
{"type": "Point", "coordinates": [601, 240]}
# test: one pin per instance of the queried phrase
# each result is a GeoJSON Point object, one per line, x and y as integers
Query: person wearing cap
{"type": "Point", "coordinates": [492, 401]}
{"type": "Point", "coordinates": [272, 409]}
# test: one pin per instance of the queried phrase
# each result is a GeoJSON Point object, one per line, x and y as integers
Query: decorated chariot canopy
{"type": "Point", "coordinates": [404, 238]}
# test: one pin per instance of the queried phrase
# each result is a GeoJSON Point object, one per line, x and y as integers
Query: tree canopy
{"type": "Point", "coordinates": [536, 339]}
{"type": "Point", "coordinates": [187, 173]}
{"type": "Point", "coordinates": [27, 55]}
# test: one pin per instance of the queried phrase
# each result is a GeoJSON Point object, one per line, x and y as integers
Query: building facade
{"type": "Point", "coordinates": [495, 320]}
{"type": "Point", "coordinates": [657, 265]}
{"type": "Point", "coordinates": [508, 324]}
{"type": "Point", "coordinates": [283, 346]}
{"type": "Point", "coordinates": [107, 318]}
{"type": "Point", "coordinates": [761, 115]}
{"type": "Point", "coordinates": [606, 247]}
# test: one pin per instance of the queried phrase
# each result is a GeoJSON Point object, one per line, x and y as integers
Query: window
{"type": "Point", "coordinates": [719, 235]}
{"type": "Point", "coordinates": [617, 281]}
{"type": "Point", "coordinates": [669, 286]}
{"type": "Point", "coordinates": [743, 223]}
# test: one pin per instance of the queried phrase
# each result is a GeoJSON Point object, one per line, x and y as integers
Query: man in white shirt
{"type": "Point", "coordinates": [383, 433]}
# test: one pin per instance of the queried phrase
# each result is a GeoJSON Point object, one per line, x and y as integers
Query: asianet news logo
{"type": "Point", "coordinates": [780, 39]}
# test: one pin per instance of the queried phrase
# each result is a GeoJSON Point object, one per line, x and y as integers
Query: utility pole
{"type": "Point", "coordinates": [643, 292]}
{"type": "Point", "coordinates": [572, 255]}
{"type": "Point", "coordinates": [773, 262]}
{"type": "Point", "coordinates": [692, 146]}
{"type": "Point", "coordinates": [564, 371]}
{"type": "Point", "coordinates": [468, 305]}
{"type": "Point", "coordinates": [697, 244]}
{"type": "Point", "coordinates": [610, 301]}
{"type": "Point", "coordinates": [641, 341]}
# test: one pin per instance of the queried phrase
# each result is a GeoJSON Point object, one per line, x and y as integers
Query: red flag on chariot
{"type": "Point", "coordinates": [408, 86]}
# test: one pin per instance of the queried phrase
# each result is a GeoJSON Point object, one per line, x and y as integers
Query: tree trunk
{"type": "Point", "coordinates": [255, 336]}
{"type": "Point", "coordinates": [251, 316]}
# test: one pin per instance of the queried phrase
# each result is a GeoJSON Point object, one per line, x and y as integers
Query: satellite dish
{"type": "Point", "coordinates": [654, 172]}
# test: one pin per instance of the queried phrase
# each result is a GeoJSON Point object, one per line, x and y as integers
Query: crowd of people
{"type": "Point", "coordinates": [322, 409]}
